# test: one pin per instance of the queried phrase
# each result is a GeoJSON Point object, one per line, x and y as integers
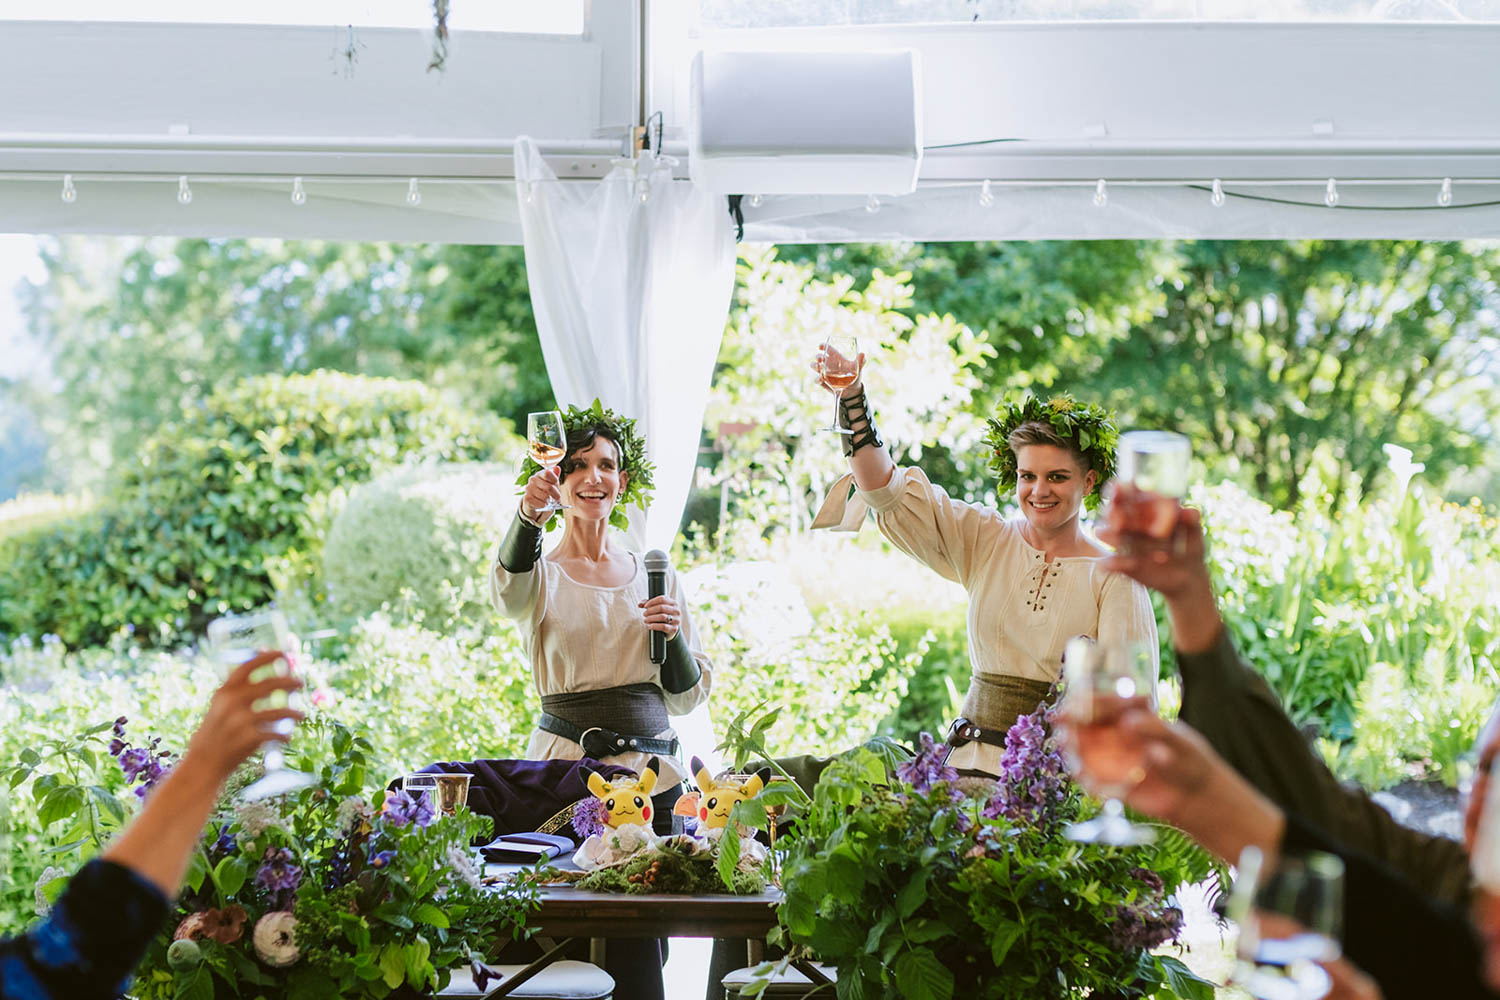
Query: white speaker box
{"type": "Point", "coordinates": [806, 122]}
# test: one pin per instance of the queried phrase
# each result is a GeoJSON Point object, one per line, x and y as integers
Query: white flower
{"type": "Point", "coordinates": [601, 851]}
{"type": "Point", "coordinates": [275, 939]}
{"type": "Point", "coordinates": [49, 874]}
{"type": "Point", "coordinates": [256, 817]}
{"type": "Point", "coordinates": [462, 863]}
{"type": "Point", "coordinates": [352, 809]}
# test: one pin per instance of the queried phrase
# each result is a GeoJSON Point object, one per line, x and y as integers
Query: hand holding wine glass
{"type": "Point", "coordinates": [839, 364]}
{"type": "Point", "coordinates": [1151, 473]}
{"type": "Point", "coordinates": [1103, 683]}
{"type": "Point", "coordinates": [547, 440]}
{"type": "Point", "coordinates": [1290, 914]}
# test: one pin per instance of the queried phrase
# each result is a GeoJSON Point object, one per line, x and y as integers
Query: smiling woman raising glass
{"type": "Point", "coordinates": [1034, 582]}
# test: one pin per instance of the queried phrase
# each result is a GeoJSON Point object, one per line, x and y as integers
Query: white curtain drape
{"type": "Point", "coordinates": [631, 279]}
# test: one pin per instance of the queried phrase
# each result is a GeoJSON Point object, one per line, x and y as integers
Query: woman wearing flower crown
{"type": "Point", "coordinates": [1033, 583]}
{"type": "Point", "coordinates": [584, 613]}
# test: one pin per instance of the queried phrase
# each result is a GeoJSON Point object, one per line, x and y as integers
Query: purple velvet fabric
{"type": "Point", "coordinates": [521, 795]}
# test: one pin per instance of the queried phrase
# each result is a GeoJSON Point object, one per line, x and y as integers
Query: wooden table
{"type": "Point", "coordinates": [567, 914]}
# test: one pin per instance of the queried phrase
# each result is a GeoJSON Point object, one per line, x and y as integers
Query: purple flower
{"type": "Point", "coordinates": [134, 761]}
{"type": "Point", "coordinates": [278, 875]}
{"type": "Point", "coordinates": [1143, 927]}
{"type": "Point", "coordinates": [381, 859]}
{"type": "Point", "coordinates": [928, 767]}
{"type": "Point", "coordinates": [401, 809]}
{"type": "Point", "coordinates": [117, 747]}
{"type": "Point", "coordinates": [1032, 776]}
{"type": "Point", "coordinates": [590, 817]}
{"type": "Point", "coordinates": [226, 842]}
{"type": "Point", "coordinates": [119, 727]}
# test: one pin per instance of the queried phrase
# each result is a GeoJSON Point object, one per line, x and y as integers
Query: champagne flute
{"type": "Point", "coordinates": [1156, 463]}
{"type": "Point", "coordinates": [547, 439]}
{"type": "Point", "coordinates": [838, 369]}
{"type": "Point", "coordinates": [232, 640]}
{"type": "Point", "coordinates": [1102, 681]}
{"type": "Point", "coordinates": [1290, 916]}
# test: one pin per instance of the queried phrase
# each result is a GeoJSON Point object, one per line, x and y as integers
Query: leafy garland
{"type": "Point", "coordinates": [641, 483]}
{"type": "Point", "coordinates": [1089, 426]}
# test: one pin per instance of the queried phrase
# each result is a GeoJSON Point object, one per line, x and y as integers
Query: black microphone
{"type": "Point", "coordinates": [656, 586]}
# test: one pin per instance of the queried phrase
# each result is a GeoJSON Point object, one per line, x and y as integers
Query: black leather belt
{"type": "Point", "coordinates": [963, 731]}
{"type": "Point", "coordinates": [598, 742]}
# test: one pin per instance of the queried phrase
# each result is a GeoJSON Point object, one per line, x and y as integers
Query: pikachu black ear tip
{"type": "Point", "coordinates": [764, 774]}
{"type": "Point", "coordinates": [697, 763]}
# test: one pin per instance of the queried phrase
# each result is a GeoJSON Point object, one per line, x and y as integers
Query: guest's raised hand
{"type": "Point", "coordinates": [662, 614]}
{"type": "Point", "coordinates": [1172, 566]}
{"type": "Point", "coordinates": [239, 720]}
{"type": "Point", "coordinates": [543, 489]}
{"type": "Point", "coordinates": [829, 357]}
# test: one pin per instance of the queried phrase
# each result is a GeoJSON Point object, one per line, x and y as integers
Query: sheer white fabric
{"type": "Point", "coordinates": [631, 278]}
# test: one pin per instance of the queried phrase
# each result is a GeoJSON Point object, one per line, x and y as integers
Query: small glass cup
{"type": "Point", "coordinates": [445, 791]}
{"type": "Point", "coordinates": [232, 640]}
{"type": "Point", "coordinates": [1156, 463]}
{"type": "Point", "coordinates": [1102, 679]}
{"type": "Point", "coordinates": [1290, 917]}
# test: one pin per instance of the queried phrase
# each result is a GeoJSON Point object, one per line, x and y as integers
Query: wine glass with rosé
{"type": "Point", "coordinates": [838, 368]}
{"type": "Point", "coordinates": [547, 440]}
{"type": "Point", "coordinates": [1103, 680]}
{"type": "Point", "coordinates": [1155, 464]}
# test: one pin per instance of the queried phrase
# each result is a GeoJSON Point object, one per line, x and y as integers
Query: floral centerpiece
{"type": "Point", "coordinates": [332, 893]}
{"type": "Point", "coordinates": [926, 886]}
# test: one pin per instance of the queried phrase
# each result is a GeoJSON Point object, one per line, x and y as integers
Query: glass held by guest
{"type": "Point", "coordinates": [97, 932]}
{"type": "Point", "coordinates": [585, 613]}
{"type": "Point", "coordinates": [1033, 582]}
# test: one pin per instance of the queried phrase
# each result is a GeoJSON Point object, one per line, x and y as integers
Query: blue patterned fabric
{"type": "Point", "coordinates": [91, 941]}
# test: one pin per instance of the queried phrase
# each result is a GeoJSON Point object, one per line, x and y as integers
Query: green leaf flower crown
{"type": "Point", "coordinates": [640, 484]}
{"type": "Point", "coordinates": [1090, 427]}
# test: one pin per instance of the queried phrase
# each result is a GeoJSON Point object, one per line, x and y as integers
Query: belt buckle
{"type": "Point", "coordinates": [956, 735]}
{"type": "Point", "coordinates": [583, 741]}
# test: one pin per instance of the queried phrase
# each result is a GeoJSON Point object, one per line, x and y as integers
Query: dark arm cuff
{"type": "Point", "coordinates": [681, 671]}
{"type": "Point", "coordinates": [521, 547]}
{"type": "Point", "coordinates": [96, 934]}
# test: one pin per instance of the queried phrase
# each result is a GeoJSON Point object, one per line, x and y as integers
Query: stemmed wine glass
{"type": "Point", "coordinates": [838, 368]}
{"type": "Point", "coordinates": [1102, 681]}
{"type": "Point", "coordinates": [232, 640]}
{"type": "Point", "coordinates": [1290, 916]}
{"type": "Point", "coordinates": [1156, 463]}
{"type": "Point", "coordinates": [547, 440]}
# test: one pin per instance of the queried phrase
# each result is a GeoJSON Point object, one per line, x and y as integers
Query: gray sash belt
{"type": "Point", "coordinates": [992, 705]}
{"type": "Point", "coordinates": [610, 721]}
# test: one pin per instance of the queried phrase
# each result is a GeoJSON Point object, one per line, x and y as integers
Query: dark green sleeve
{"type": "Point", "coordinates": [681, 671]}
{"type": "Point", "coordinates": [521, 547]}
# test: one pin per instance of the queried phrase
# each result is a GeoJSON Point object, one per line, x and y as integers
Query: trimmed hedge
{"type": "Point", "coordinates": [240, 482]}
{"type": "Point", "coordinates": [416, 543]}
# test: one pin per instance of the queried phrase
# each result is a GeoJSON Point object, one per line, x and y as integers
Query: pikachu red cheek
{"type": "Point", "coordinates": [703, 815]}
{"type": "Point", "coordinates": [646, 813]}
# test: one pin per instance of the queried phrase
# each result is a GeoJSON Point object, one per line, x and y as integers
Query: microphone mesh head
{"type": "Point", "coordinates": [656, 561]}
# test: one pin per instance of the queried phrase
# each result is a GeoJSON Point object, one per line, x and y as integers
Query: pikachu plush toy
{"type": "Point", "coordinates": [628, 808]}
{"type": "Point", "coordinates": [715, 799]}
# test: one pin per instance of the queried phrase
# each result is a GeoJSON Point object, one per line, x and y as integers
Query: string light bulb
{"type": "Point", "coordinates": [872, 204]}
{"type": "Point", "coordinates": [528, 192]}
{"type": "Point", "coordinates": [1101, 194]}
{"type": "Point", "coordinates": [1331, 193]}
{"type": "Point", "coordinates": [299, 196]}
{"type": "Point", "coordinates": [184, 193]}
{"type": "Point", "coordinates": [756, 201]}
{"type": "Point", "coordinates": [986, 194]}
{"type": "Point", "coordinates": [1445, 193]}
{"type": "Point", "coordinates": [69, 192]}
{"type": "Point", "coordinates": [1216, 196]}
{"type": "Point", "coordinates": [413, 193]}
{"type": "Point", "coordinates": [643, 190]}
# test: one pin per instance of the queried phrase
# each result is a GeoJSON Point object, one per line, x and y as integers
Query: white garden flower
{"type": "Point", "coordinates": [256, 817]}
{"type": "Point", "coordinates": [275, 939]}
{"type": "Point", "coordinates": [352, 809]}
{"type": "Point", "coordinates": [49, 874]}
{"type": "Point", "coordinates": [462, 863]}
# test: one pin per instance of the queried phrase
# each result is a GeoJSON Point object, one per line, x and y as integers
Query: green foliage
{"type": "Point", "coordinates": [417, 542]}
{"type": "Point", "coordinates": [216, 501]}
{"type": "Point", "coordinates": [678, 865]}
{"type": "Point", "coordinates": [834, 677]}
{"type": "Point", "coordinates": [34, 511]}
{"type": "Point", "coordinates": [919, 894]}
{"type": "Point", "coordinates": [382, 900]}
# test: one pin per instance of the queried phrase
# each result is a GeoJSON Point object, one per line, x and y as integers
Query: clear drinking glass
{"type": "Point", "coordinates": [232, 640]}
{"type": "Point", "coordinates": [1290, 916]}
{"type": "Point", "coordinates": [1156, 462]}
{"type": "Point", "coordinates": [838, 370]}
{"type": "Point", "coordinates": [1102, 680]}
{"type": "Point", "coordinates": [446, 792]}
{"type": "Point", "coordinates": [547, 440]}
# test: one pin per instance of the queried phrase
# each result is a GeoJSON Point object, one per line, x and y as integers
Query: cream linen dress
{"type": "Point", "coordinates": [1022, 608]}
{"type": "Point", "coordinates": [583, 638]}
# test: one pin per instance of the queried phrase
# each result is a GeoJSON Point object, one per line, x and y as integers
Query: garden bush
{"type": "Point", "coordinates": [417, 543]}
{"type": "Point", "coordinates": [219, 499]}
{"type": "Point", "coordinates": [31, 511]}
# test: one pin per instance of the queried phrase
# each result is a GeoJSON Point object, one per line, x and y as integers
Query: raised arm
{"type": "Point", "coordinates": [869, 459]}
